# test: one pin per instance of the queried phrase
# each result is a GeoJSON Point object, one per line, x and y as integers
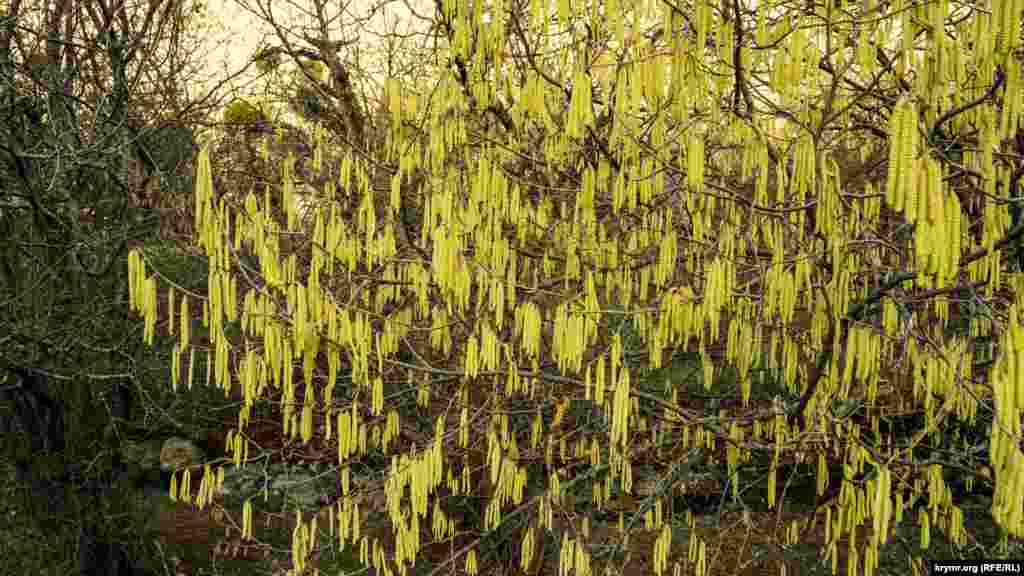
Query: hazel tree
{"type": "Point", "coordinates": [572, 195]}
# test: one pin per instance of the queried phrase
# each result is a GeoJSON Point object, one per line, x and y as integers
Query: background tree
{"type": "Point", "coordinates": [808, 205]}
{"type": "Point", "coordinates": [93, 148]}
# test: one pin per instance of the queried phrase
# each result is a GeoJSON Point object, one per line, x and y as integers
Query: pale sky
{"type": "Point", "coordinates": [245, 31]}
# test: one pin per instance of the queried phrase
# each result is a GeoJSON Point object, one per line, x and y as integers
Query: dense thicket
{"type": "Point", "coordinates": [96, 139]}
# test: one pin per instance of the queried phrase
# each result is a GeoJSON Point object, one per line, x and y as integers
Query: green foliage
{"type": "Point", "coordinates": [241, 111]}
{"type": "Point", "coordinates": [181, 270]}
{"type": "Point", "coordinates": [171, 147]}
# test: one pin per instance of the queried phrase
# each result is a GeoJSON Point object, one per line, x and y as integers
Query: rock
{"type": "Point", "coordinates": [301, 486]}
{"type": "Point", "coordinates": [178, 453]}
{"type": "Point", "coordinates": [304, 486]}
